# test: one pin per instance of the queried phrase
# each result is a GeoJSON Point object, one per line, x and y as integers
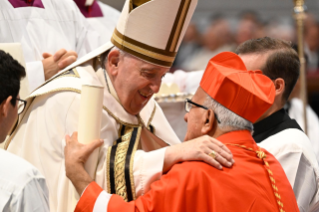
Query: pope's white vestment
{"type": "Point", "coordinates": [22, 187]}
{"type": "Point", "coordinates": [58, 25]}
{"type": "Point", "coordinates": [105, 25]}
{"type": "Point", "coordinates": [54, 112]}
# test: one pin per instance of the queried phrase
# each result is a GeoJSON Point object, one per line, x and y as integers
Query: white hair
{"type": "Point", "coordinates": [104, 57]}
{"type": "Point", "coordinates": [229, 121]}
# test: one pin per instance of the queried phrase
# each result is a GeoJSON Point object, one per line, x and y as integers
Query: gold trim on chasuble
{"type": "Point", "coordinates": [262, 155]}
{"type": "Point", "coordinates": [120, 158]}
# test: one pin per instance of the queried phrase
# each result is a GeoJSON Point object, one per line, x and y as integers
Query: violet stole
{"type": "Point", "coordinates": [89, 11]}
{"type": "Point", "coordinates": [26, 3]}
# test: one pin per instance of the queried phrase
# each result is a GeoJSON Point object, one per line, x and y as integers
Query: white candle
{"type": "Point", "coordinates": [90, 121]}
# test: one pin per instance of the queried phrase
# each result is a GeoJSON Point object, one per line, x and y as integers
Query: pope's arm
{"type": "Point", "coordinates": [149, 166]}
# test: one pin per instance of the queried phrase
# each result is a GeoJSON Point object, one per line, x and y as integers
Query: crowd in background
{"type": "Point", "coordinates": [224, 34]}
{"type": "Point", "coordinates": [221, 33]}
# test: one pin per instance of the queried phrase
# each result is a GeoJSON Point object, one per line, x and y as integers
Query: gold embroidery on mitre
{"type": "Point", "coordinates": [178, 25]}
{"type": "Point", "coordinates": [141, 50]}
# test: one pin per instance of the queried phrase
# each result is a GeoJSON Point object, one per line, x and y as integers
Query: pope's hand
{"type": "Point", "coordinates": [76, 154]}
{"type": "Point", "coordinates": [52, 64]}
{"type": "Point", "coordinates": [199, 149]}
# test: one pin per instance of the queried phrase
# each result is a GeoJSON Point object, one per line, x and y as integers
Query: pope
{"type": "Point", "coordinates": [139, 144]}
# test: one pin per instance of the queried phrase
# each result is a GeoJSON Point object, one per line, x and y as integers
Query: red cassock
{"type": "Point", "coordinates": [256, 182]}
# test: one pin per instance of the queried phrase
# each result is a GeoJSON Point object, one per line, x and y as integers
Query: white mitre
{"type": "Point", "coordinates": [151, 30]}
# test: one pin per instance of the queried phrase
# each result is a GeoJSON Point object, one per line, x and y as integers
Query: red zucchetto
{"type": "Point", "coordinates": [247, 93]}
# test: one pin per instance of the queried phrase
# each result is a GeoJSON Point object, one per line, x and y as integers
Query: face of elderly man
{"type": "Point", "coordinates": [134, 80]}
{"type": "Point", "coordinates": [196, 118]}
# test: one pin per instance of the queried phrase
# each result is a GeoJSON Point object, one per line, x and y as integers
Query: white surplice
{"type": "Point", "coordinates": [105, 25]}
{"type": "Point", "coordinates": [60, 24]}
{"type": "Point", "coordinates": [54, 112]}
{"type": "Point", "coordinates": [22, 187]}
{"type": "Point", "coordinates": [293, 150]}
{"type": "Point", "coordinates": [296, 112]}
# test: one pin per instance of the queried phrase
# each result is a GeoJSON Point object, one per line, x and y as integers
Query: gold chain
{"type": "Point", "coordinates": [262, 155]}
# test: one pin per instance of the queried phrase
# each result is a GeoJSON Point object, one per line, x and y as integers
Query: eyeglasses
{"type": "Point", "coordinates": [189, 104]}
{"type": "Point", "coordinates": [21, 105]}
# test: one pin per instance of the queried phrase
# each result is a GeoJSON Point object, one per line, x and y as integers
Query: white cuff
{"type": "Point", "coordinates": [35, 74]}
{"type": "Point", "coordinates": [148, 167]}
{"type": "Point", "coordinates": [102, 202]}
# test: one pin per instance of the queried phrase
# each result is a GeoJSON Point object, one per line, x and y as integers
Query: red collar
{"type": "Point", "coordinates": [240, 137]}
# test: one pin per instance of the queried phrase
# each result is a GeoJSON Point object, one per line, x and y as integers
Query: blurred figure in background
{"type": "Point", "coordinates": [101, 17]}
{"type": "Point", "coordinates": [190, 44]}
{"type": "Point", "coordinates": [294, 108]}
{"type": "Point", "coordinates": [250, 16]}
{"type": "Point", "coordinates": [246, 30]}
{"type": "Point", "coordinates": [312, 42]}
{"type": "Point", "coordinates": [283, 29]}
{"type": "Point", "coordinates": [216, 38]}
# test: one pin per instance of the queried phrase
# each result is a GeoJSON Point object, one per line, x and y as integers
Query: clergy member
{"type": "Point", "coordinates": [143, 48]}
{"type": "Point", "coordinates": [222, 108]}
{"type": "Point", "coordinates": [53, 33]}
{"type": "Point", "coordinates": [100, 16]}
{"type": "Point", "coordinates": [275, 130]}
{"type": "Point", "coordinates": [22, 187]}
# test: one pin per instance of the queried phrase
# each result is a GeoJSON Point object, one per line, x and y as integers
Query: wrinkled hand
{"type": "Point", "coordinates": [60, 60]}
{"type": "Point", "coordinates": [76, 154]}
{"type": "Point", "coordinates": [199, 149]}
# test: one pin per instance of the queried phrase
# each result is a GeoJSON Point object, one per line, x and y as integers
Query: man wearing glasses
{"type": "Point", "coordinates": [22, 187]}
{"type": "Point", "coordinates": [221, 108]}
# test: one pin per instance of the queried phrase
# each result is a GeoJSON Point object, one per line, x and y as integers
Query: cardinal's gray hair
{"type": "Point", "coordinates": [229, 121]}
